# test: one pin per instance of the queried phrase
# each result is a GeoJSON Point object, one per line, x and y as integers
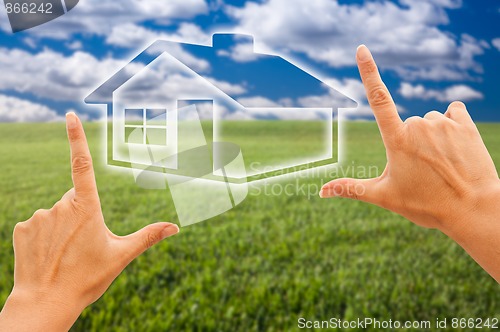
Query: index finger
{"type": "Point", "coordinates": [82, 171]}
{"type": "Point", "coordinates": [378, 95]}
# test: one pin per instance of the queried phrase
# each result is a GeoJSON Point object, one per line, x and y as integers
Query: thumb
{"type": "Point", "coordinates": [366, 190]}
{"type": "Point", "coordinates": [140, 241]}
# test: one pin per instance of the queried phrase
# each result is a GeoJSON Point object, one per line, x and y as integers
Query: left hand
{"type": "Point", "coordinates": [66, 257]}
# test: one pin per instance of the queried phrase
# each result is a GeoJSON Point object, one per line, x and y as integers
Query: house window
{"type": "Point", "coordinates": [146, 126]}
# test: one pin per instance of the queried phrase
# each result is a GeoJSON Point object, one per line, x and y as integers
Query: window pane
{"type": "Point", "coordinates": [156, 117]}
{"type": "Point", "coordinates": [134, 135]}
{"type": "Point", "coordinates": [134, 116]}
{"type": "Point", "coordinates": [156, 136]}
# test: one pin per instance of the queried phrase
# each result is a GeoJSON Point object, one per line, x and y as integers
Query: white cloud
{"type": "Point", "coordinates": [156, 86]}
{"type": "Point", "coordinates": [100, 16]}
{"type": "Point", "coordinates": [442, 3]}
{"type": "Point", "coordinates": [354, 89]}
{"type": "Point", "coordinates": [279, 113]}
{"type": "Point", "coordinates": [228, 88]}
{"type": "Point", "coordinates": [403, 38]}
{"type": "Point", "coordinates": [197, 64]}
{"type": "Point", "coordinates": [75, 45]}
{"type": "Point", "coordinates": [130, 35]}
{"type": "Point", "coordinates": [52, 75]}
{"type": "Point", "coordinates": [496, 43]}
{"type": "Point", "coordinates": [455, 92]}
{"type": "Point", "coordinates": [30, 42]}
{"type": "Point", "coordinates": [242, 52]}
{"type": "Point", "coordinates": [258, 101]}
{"type": "Point", "coordinates": [166, 81]}
{"type": "Point", "coordinates": [14, 109]}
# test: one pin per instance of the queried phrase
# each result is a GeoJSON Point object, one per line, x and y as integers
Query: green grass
{"type": "Point", "coordinates": [282, 140]}
{"type": "Point", "coordinates": [268, 146]}
{"type": "Point", "coordinates": [260, 266]}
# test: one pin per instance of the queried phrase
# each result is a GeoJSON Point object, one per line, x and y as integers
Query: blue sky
{"type": "Point", "coordinates": [430, 52]}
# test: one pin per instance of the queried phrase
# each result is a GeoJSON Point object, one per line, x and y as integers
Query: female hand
{"type": "Point", "coordinates": [66, 257]}
{"type": "Point", "coordinates": [439, 173]}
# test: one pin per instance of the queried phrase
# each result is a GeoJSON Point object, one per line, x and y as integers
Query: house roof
{"type": "Point", "coordinates": [265, 80]}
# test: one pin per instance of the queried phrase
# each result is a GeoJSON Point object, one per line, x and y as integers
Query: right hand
{"type": "Point", "coordinates": [439, 173]}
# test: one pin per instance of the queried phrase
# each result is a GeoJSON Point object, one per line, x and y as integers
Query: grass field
{"type": "Point", "coordinates": [260, 266]}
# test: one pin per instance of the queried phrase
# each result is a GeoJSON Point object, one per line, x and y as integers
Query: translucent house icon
{"type": "Point", "coordinates": [254, 100]}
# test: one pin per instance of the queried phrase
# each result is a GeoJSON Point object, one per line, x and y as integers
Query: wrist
{"type": "Point", "coordinates": [31, 311]}
{"type": "Point", "coordinates": [478, 229]}
{"type": "Point", "coordinates": [477, 212]}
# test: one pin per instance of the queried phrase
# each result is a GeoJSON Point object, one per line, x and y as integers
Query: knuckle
{"type": "Point", "coordinates": [449, 113]}
{"type": "Point", "coordinates": [414, 127]}
{"type": "Point", "coordinates": [40, 214]}
{"type": "Point", "coordinates": [440, 126]}
{"type": "Point", "coordinates": [432, 114]}
{"type": "Point", "coordinates": [398, 137]}
{"type": "Point", "coordinates": [19, 229]}
{"type": "Point", "coordinates": [379, 97]}
{"type": "Point", "coordinates": [57, 209]}
{"type": "Point", "coordinates": [368, 68]}
{"type": "Point", "coordinates": [453, 111]}
{"type": "Point", "coordinates": [80, 210]}
{"type": "Point", "coordinates": [458, 114]}
{"type": "Point", "coordinates": [457, 104]}
{"type": "Point", "coordinates": [150, 240]}
{"type": "Point", "coordinates": [413, 121]}
{"type": "Point", "coordinates": [353, 194]}
{"type": "Point", "coordinates": [75, 134]}
{"type": "Point", "coordinates": [81, 164]}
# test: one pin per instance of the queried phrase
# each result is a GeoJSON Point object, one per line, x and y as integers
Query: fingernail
{"type": "Point", "coordinates": [363, 53]}
{"type": "Point", "coordinates": [169, 230]}
{"type": "Point", "coordinates": [71, 120]}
